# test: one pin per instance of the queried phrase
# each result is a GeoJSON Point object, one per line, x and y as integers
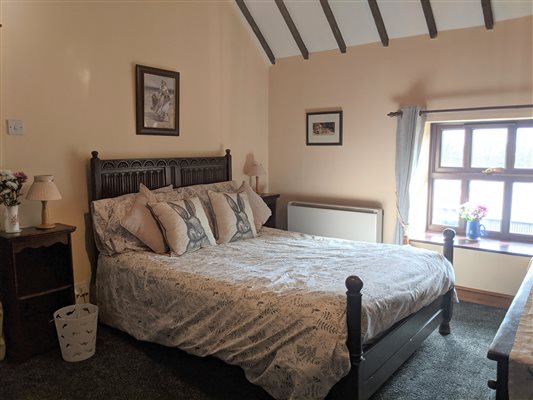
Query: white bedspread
{"type": "Point", "coordinates": [274, 305]}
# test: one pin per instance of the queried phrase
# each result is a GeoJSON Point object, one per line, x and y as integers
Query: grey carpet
{"type": "Point", "coordinates": [453, 367]}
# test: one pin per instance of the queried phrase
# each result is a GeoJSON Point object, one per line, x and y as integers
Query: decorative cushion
{"type": "Point", "coordinates": [234, 216]}
{"type": "Point", "coordinates": [259, 208]}
{"type": "Point", "coordinates": [140, 222]}
{"type": "Point", "coordinates": [184, 225]}
{"type": "Point", "coordinates": [200, 191]}
{"type": "Point", "coordinates": [110, 237]}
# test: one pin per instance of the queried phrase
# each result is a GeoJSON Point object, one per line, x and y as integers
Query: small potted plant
{"type": "Point", "coordinates": [10, 191]}
{"type": "Point", "coordinates": [473, 214]}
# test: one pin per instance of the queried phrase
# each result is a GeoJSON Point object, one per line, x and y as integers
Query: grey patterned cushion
{"type": "Point", "coordinates": [200, 191]}
{"type": "Point", "coordinates": [184, 225]}
{"type": "Point", "coordinates": [234, 216]}
{"type": "Point", "coordinates": [110, 237]}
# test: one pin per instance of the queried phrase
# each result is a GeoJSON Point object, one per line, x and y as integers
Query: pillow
{"type": "Point", "coordinates": [234, 217]}
{"type": "Point", "coordinates": [110, 237]}
{"type": "Point", "coordinates": [260, 210]}
{"type": "Point", "coordinates": [140, 222]}
{"type": "Point", "coordinates": [200, 191]}
{"type": "Point", "coordinates": [184, 225]}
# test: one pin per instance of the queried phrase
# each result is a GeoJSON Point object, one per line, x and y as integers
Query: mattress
{"type": "Point", "coordinates": [275, 305]}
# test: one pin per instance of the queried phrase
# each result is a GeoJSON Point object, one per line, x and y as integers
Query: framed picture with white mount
{"type": "Point", "coordinates": [157, 99]}
{"type": "Point", "coordinates": [324, 128]}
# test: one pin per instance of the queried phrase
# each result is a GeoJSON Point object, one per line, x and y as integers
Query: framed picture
{"type": "Point", "coordinates": [158, 94]}
{"type": "Point", "coordinates": [324, 129]}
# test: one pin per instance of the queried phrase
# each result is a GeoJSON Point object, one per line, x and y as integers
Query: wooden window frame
{"type": "Point", "coordinates": [465, 174]}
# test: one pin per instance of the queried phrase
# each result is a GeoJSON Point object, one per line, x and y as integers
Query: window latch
{"type": "Point", "coordinates": [491, 171]}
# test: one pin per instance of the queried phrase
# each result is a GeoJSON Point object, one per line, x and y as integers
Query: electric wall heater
{"type": "Point", "coordinates": [361, 224]}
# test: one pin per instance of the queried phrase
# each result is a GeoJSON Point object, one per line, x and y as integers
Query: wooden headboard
{"type": "Point", "coordinates": [111, 178]}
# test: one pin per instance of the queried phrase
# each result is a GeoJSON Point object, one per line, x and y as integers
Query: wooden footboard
{"type": "Point", "coordinates": [371, 368]}
{"type": "Point", "coordinates": [501, 346]}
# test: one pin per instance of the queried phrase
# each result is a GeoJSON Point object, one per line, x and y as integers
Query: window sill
{"type": "Point", "coordinates": [490, 245]}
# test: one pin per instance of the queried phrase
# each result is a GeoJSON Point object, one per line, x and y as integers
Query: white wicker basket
{"type": "Point", "coordinates": [76, 330]}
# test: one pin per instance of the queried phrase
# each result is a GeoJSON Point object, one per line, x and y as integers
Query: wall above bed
{"type": "Point", "coordinates": [68, 71]}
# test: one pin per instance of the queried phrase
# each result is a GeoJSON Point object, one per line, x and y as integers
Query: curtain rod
{"type": "Point", "coordinates": [399, 113]}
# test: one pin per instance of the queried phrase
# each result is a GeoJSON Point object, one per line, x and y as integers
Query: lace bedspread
{"type": "Point", "coordinates": [274, 305]}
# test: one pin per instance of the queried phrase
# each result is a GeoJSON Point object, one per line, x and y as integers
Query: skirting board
{"type": "Point", "coordinates": [484, 297]}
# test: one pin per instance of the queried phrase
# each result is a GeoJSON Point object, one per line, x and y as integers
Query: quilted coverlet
{"type": "Point", "coordinates": [274, 305]}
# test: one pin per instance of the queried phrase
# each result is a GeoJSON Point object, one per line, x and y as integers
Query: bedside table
{"type": "Point", "coordinates": [36, 280]}
{"type": "Point", "coordinates": [271, 200]}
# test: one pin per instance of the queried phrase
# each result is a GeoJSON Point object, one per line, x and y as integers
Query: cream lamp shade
{"type": "Point", "coordinates": [44, 189]}
{"type": "Point", "coordinates": [256, 170]}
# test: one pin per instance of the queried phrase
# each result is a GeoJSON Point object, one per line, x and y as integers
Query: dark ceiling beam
{"type": "Point", "coordinates": [430, 19]}
{"type": "Point", "coordinates": [379, 22]}
{"type": "Point", "coordinates": [487, 13]}
{"type": "Point", "coordinates": [256, 30]}
{"type": "Point", "coordinates": [290, 24]}
{"type": "Point", "coordinates": [333, 24]}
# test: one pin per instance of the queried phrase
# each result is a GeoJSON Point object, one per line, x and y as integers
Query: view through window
{"type": "Point", "coordinates": [488, 164]}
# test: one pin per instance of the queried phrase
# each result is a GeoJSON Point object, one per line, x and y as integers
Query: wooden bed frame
{"type": "Point", "coordinates": [503, 342]}
{"type": "Point", "coordinates": [371, 365]}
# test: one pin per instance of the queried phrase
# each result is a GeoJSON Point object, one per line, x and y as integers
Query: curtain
{"type": "Point", "coordinates": [409, 134]}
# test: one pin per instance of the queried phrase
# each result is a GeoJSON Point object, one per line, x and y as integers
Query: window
{"type": "Point", "coordinates": [484, 163]}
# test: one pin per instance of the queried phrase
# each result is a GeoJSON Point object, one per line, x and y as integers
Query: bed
{"type": "Point", "coordinates": [507, 340]}
{"type": "Point", "coordinates": [367, 348]}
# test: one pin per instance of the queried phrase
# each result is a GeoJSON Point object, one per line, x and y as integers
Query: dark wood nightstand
{"type": "Point", "coordinates": [36, 280]}
{"type": "Point", "coordinates": [271, 200]}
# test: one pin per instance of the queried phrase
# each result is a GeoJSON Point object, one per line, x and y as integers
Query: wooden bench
{"type": "Point", "coordinates": [503, 341]}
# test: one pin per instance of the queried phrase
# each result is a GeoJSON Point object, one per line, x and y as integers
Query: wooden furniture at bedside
{"type": "Point", "coordinates": [36, 280]}
{"type": "Point", "coordinates": [501, 346]}
{"type": "Point", "coordinates": [271, 200]}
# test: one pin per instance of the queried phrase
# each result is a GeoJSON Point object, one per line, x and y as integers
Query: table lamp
{"type": "Point", "coordinates": [256, 170]}
{"type": "Point", "coordinates": [43, 189]}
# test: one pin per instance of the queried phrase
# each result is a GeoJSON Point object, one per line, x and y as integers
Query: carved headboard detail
{"type": "Point", "coordinates": [111, 178]}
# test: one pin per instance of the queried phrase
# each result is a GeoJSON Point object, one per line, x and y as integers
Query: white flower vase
{"type": "Point", "coordinates": [11, 219]}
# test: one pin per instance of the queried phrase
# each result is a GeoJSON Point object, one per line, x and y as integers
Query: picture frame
{"type": "Point", "coordinates": [157, 101]}
{"type": "Point", "coordinates": [324, 128]}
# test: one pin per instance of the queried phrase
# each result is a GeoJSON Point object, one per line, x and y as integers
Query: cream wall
{"type": "Point", "coordinates": [461, 68]}
{"type": "Point", "coordinates": [67, 70]}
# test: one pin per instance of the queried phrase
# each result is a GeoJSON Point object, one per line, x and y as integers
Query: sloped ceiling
{"type": "Point", "coordinates": [402, 18]}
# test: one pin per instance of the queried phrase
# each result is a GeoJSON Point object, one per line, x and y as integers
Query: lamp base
{"type": "Point", "coordinates": [45, 226]}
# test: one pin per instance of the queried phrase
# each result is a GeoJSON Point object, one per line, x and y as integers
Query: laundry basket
{"type": "Point", "coordinates": [76, 330]}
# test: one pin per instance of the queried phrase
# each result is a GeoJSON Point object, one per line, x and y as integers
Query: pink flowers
{"type": "Point", "coordinates": [10, 186]}
{"type": "Point", "coordinates": [470, 212]}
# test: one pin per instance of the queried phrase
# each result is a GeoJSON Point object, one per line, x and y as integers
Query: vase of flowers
{"type": "Point", "coordinates": [10, 192]}
{"type": "Point", "coordinates": [473, 214]}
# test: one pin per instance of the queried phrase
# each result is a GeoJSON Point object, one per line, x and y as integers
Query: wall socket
{"type": "Point", "coordinates": [15, 127]}
{"type": "Point", "coordinates": [81, 290]}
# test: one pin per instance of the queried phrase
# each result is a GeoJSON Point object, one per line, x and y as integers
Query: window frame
{"type": "Point", "coordinates": [465, 174]}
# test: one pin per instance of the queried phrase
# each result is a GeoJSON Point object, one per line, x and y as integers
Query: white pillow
{"type": "Point", "coordinates": [259, 208]}
{"type": "Point", "coordinates": [233, 215]}
{"type": "Point", "coordinates": [184, 225]}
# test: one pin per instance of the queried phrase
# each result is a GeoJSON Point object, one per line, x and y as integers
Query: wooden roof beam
{"type": "Point", "coordinates": [430, 19]}
{"type": "Point", "coordinates": [255, 28]}
{"type": "Point", "coordinates": [379, 22]}
{"type": "Point", "coordinates": [333, 25]}
{"type": "Point", "coordinates": [294, 31]}
{"type": "Point", "coordinates": [487, 14]}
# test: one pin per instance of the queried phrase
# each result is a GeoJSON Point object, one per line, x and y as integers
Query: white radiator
{"type": "Point", "coordinates": [362, 224]}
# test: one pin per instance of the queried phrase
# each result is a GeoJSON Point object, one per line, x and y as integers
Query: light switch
{"type": "Point", "coordinates": [15, 127]}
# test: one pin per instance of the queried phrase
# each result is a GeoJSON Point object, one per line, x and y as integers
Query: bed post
{"type": "Point", "coordinates": [96, 185]}
{"type": "Point", "coordinates": [353, 315]}
{"type": "Point", "coordinates": [228, 164]}
{"type": "Point", "coordinates": [447, 306]}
